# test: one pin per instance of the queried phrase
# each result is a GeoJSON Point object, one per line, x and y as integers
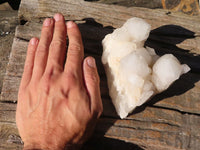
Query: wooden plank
{"type": "Point", "coordinates": [184, 44]}
{"type": "Point", "coordinates": [161, 128]}
{"type": "Point", "coordinates": [149, 128]}
{"type": "Point", "coordinates": [129, 3]}
{"type": "Point", "coordinates": [170, 120]}
{"type": "Point", "coordinates": [183, 95]}
{"type": "Point", "coordinates": [9, 137]}
{"type": "Point", "coordinates": [7, 106]}
{"type": "Point", "coordinates": [112, 15]}
{"type": "Point", "coordinates": [162, 39]}
{"type": "Point", "coordinates": [7, 116]}
{"type": "Point", "coordinates": [190, 7]}
{"type": "Point", "coordinates": [8, 22]}
{"type": "Point", "coordinates": [169, 34]}
{"type": "Point", "coordinates": [10, 88]}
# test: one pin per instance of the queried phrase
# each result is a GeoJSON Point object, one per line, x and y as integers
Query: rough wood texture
{"type": "Point", "coordinates": [190, 7]}
{"type": "Point", "coordinates": [155, 128]}
{"type": "Point", "coordinates": [133, 3]}
{"type": "Point", "coordinates": [5, 6]}
{"type": "Point", "coordinates": [111, 15]}
{"type": "Point", "coordinates": [171, 120]}
{"type": "Point", "coordinates": [8, 23]}
{"type": "Point", "coordinates": [187, 102]}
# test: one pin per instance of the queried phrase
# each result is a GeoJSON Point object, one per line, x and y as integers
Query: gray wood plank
{"type": "Point", "coordinates": [111, 15]}
{"type": "Point", "coordinates": [183, 95]}
{"type": "Point", "coordinates": [153, 128]}
{"type": "Point", "coordinates": [171, 120]}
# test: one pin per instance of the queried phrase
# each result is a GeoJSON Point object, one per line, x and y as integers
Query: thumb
{"type": "Point", "coordinates": [92, 81]}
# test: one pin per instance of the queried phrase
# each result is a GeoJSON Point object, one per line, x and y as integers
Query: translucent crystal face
{"type": "Point", "coordinates": [134, 72]}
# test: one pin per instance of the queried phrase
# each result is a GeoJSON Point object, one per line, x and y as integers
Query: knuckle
{"type": "Point", "coordinates": [57, 43]}
{"type": "Point", "coordinates": [45, 84]}
{"type": "Point", "coordinates": [97, 78]}
{"type": "Point", "coordinates": [41, 49]}
{"type": "Point", "coordinates": [60, 24]}
{"type": "Point", "coordinates": [72, 78]}
{"type": "Point", "coordinates": [53, 70]}
{"type": "Point", "coordinates": [28, 66]}
{"type": "Point", "coordinates": [31, 51]}
{"type": "Point", "coordinates": [93, 77]}
{"type": "Point", "coordinates": [46, 34]}
{"type": "Point", "coordinates": [74, 48]}
{"type": "Point", "coordinates": [46, 28]}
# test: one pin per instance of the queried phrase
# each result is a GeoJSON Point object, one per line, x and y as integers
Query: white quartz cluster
{"type": "Point", "coordinates": [136, 73]}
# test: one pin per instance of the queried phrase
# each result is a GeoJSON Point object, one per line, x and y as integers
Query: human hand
{"type": "Point", "coordinates": [58, 104]}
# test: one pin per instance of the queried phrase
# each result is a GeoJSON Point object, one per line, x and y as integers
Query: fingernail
{"type": "Point", "coordinates": [47, 22]}
{"type": "Point", "coordinates": [34, 41]}
{"type": "Point", "coordinates": [58, 17]}
{"type": "Point", "coordinates": [91, 62]}
{"type": "Point", "coordinates": [70, 24]}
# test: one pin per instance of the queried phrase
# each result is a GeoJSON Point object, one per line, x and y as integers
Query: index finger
{"type": "Point", "coordinates": [75, 52]}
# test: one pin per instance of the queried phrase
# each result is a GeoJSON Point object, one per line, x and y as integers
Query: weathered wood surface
{"type": "Point", "coordinates": [133, 3]}
{"type": "Point", "coordinates": [8, 23]}
{"type": "Point", "coordinates": [171, 120]}
{"type": "Point", "coordinates": [190, 7]}
{"type": "Point", "coordinates": [107, 14]}
{"type": "Point", "coordinates": [8, 131]}
{"type": "Point", "coordinates": [111, 15]}
{"type": "Point", "coordinates": [153, 128]}
{"type": "Point", "coordinates": [188, 102]}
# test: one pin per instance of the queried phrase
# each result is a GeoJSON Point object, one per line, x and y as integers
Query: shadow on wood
{"type": "Point", "coordinates": [163, 40]}
{"type": "Point", "coordinates": [182, 85]}
{"type": "Point", "coordinates": [109, 144]}
{"type": "Point", "coordinates": [164, 125]}
{"type": "Point", "coordinates": [13, 3]}
{"type": "Point", "coordinates": [98, 141]}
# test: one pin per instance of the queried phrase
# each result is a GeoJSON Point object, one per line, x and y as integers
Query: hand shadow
{"type": "Point", "coordinates": [93, 33]}
{"type": "Point", "coordinates": [109, 144]}
{"type": "Point", "coordinates": [163, 40]}
{"type": "Point", "coordinates": [13, 3]}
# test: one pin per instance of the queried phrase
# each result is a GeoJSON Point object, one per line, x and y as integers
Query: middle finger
{"type": "Point", "coordinates": [57, 48]}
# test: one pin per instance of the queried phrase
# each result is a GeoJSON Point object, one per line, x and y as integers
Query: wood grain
{"type": "Point", "coordinates": [183, 95]}
{"type": "Point", "coordinates": [111, 15]}
{"type": "Point", "coordinates": [165, 128]}
{"type": "Point", "coordinates": [170, 120]}
{"type": "Point", "coordinates": [190, 7]}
